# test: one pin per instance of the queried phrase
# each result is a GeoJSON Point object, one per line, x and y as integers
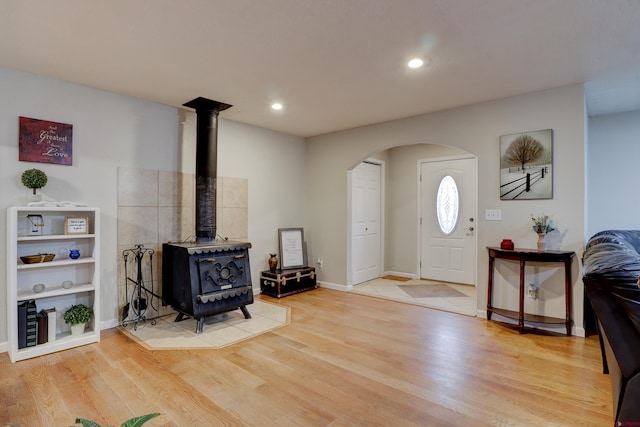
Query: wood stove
{"type": "Point", "coordinates": [208, 276]}
{"type": "Point", "coordinates": [200, 280]}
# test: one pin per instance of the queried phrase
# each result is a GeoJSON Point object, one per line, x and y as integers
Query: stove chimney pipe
{"type": "Point", "coordinates": [206, 165]}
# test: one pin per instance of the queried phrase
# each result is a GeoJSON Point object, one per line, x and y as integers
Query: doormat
{"type": "Point", "coordinates": [397, 278]}
{"type": "Point", "coordinates": [431, 291]}
{"type": "Point", "coordinates": [219, 330]}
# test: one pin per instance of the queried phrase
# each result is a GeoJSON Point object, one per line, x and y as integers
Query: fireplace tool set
{"type": "Point", "coordinates": [141, 297]}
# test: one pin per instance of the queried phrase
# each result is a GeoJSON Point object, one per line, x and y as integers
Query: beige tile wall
{"type": "Point", "coordinates": [156, 207]}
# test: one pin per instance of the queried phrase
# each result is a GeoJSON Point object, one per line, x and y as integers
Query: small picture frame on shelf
{"type": "Point", "coordinates": [76, 225]}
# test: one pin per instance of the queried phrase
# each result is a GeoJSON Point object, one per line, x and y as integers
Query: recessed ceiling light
{"type": "Point", "coordinates": [276, 106]}
{"type": "Point", "coordinates": [416, 63]}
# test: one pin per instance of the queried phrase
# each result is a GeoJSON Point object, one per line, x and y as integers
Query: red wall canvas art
{"type": "Point", "coordinates": [45, 142]}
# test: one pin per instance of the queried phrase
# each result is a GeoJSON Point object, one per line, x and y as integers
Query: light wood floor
{"type": "Point", "coordinates": [345, 360]}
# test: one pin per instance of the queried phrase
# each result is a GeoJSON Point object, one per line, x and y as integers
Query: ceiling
{"type": "Point", "coordinates": [333, 64]}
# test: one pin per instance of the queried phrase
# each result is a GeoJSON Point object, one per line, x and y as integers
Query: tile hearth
{"type": "Point", "coordinates": [219, 330]}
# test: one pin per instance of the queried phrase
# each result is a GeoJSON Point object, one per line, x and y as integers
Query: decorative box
{"type": "Point", "coordinates": [287, 282]}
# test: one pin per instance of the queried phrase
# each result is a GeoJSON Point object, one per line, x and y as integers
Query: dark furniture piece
{"type": "Point", "coordinates": [287, 282]}
{"type": "Point", "coordinates": [201, 280]}
{"type": "Point", "coordinates": [611, 265]}
{"type": "Point", "coordinates": [524, 256]}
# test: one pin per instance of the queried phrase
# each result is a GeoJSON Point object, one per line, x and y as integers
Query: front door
{"type": "Point", "coordinates": [448, 220]}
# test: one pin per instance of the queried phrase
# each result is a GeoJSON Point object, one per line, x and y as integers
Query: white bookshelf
{"type": "Point", "coordinates": [84, 272]}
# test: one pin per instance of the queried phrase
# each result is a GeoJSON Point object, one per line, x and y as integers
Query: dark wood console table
{"type": "Point", "coordinates": [524, 256]}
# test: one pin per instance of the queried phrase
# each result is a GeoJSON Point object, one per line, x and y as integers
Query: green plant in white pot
{"type": "Point", "coordinates": [78, 316]}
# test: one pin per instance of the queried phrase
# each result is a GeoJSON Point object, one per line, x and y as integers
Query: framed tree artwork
{"type": "Point", "coordinates": [526, 165]}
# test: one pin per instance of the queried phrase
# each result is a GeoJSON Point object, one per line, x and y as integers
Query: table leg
{"type": "Point", "coordinates": [490, 288]}
{"type": "Point", "coordinates": [521, 303]}
{"type": "Point", "coordinates": [567, 293]}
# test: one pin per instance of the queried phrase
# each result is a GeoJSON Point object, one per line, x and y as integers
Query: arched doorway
{"type": "Point", "coordinates": [401, 199]}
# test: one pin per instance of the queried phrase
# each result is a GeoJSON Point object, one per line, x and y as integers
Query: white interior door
{"type": "Point", "coordinates": [366, 214]}
{"type": "Point", "coordinates": [448, 192]}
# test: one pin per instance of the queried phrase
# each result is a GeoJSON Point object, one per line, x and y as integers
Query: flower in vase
{"type": "Point", "coordinates": [542, 224]}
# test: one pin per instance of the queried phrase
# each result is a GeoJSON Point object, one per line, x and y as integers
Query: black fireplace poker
{"type": "Point", "coordinates": [206, 165]}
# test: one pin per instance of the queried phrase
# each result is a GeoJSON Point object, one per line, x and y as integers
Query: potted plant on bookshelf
{"type": "Point", "coordinates": [34, 179]}
{"type": "Point", "coordinates": [78, 316]}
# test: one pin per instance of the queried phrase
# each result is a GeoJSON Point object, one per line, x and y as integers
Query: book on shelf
{"type": "Point", "coordinates": [32, 324]}
{"type": "Point", "coordinates": [51, 323]}
{"type": "Point", "coordinates": [43, 329]}
{"type": "Point", "coordinates": [22, 325]}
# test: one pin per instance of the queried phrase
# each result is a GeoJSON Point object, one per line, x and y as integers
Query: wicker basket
{"type": "Point", "coordinates": [34, 259]}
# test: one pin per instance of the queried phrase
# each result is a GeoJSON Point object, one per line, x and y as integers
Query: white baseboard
{"type": "Point", "coordinates": [109, 323]}
{"type": "Point", "coordinates": [335, 286]}
{"type": "Point", "coordinates": [401, 274]}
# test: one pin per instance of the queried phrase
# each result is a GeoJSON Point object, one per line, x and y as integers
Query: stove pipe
{"type": "Point", "coordinates": [206, 165]}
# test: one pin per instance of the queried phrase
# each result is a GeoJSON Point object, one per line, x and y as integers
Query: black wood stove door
{"type": "Point", "coordinates": [219, 272]}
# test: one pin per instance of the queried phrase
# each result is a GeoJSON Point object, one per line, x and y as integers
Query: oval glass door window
{"type": "Point", "coordinates": [447, 204]}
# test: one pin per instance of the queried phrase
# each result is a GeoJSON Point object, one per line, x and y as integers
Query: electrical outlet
{"type": "Point", "coordinates": [320, 263]}
{"type": "Point", "coordinates": [493, 214]}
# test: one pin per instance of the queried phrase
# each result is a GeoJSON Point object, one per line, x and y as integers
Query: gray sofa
{"type": "Point", "coordinates": [611, 267]}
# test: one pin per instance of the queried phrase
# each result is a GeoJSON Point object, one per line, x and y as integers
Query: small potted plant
{"type": "Point", "coordinates": [34, 179]}
{"type": "Point", "coordinates": [77, 316]}
{"type": "Point", "coordinates": [542, 224]}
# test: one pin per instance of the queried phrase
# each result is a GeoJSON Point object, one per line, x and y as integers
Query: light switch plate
{"type": "Point", "coordinates": [493, 214]}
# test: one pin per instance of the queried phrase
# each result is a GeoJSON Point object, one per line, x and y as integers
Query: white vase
{"type": "Point", "coordinates": [541, 242]}
{"type": "Point", "coordinates": [77, 329]}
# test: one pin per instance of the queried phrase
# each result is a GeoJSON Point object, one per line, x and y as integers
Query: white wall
{"type": "Point", "coordinates": [274, 164]}
{"type": "Point", "coordinates": [475, 129]}
{"type": "Point", "coordinates": [111, 130]}
{"type": "Point", "coordinates": [613, 151]}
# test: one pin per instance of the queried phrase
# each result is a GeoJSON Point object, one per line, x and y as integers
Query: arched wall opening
{"type": "Point", "coordinates": [400, 204]}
